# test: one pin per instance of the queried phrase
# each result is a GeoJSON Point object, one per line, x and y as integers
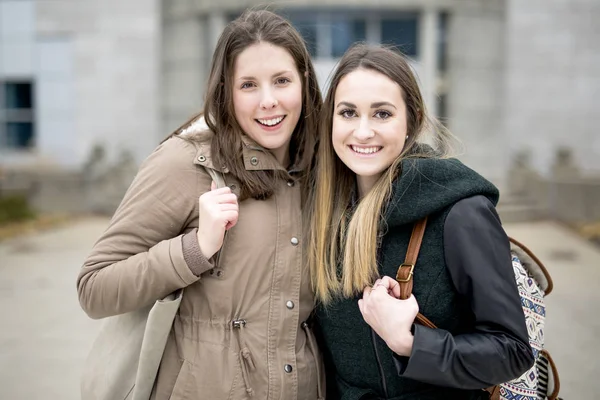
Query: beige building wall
{"type": "Point", "coordinates": [553, 80]}
{"type": "Point", "coordinates": [95, 69]}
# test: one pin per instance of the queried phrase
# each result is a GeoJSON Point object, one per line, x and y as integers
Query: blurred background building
{"type": "Point", "coordinates": [89, 88]}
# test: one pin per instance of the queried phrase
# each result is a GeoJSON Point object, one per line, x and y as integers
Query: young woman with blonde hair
{"type": "Point", "coordinates": [374, 180]}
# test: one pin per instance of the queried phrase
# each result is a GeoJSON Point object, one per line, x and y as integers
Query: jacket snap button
{"type": "Point", "coordinates": [201, 158]}
{"type": "Point", "coordinates": [289, 304]}
{"type": "Point", "coordinates": [288, 368]}
{"type": "Point", "coordinates": [294, 241]}
{"type": "Point", "coordinates": [253, 160]}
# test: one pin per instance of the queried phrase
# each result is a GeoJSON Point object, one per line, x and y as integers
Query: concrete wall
{"type": "Point", "coordinates": [185, 58]}
{"type": "Point", "coordinates": [553, 79]}
{"type": "Point", "coordinates": [476, 85]}
{"type": "Point", "coordinates": [96, 71]}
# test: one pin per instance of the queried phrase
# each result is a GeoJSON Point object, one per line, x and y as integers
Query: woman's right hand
{"type": "Point", "coordinates": [218, 212]}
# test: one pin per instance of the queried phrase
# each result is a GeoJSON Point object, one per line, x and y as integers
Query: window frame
{"type": "Point", "coordinates": [16, 115]}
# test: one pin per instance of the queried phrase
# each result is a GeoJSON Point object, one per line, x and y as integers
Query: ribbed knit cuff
{"type": "Point", "coordinates": [192, 254]}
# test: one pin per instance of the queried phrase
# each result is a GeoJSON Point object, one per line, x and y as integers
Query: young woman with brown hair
{"type": "Point", "coordinates": [240, 331]}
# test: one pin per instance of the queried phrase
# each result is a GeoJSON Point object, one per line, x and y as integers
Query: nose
{"type": "Point", "coordinates": [268, 100]}
{"type": "Point", "coordinates": [363, 131]}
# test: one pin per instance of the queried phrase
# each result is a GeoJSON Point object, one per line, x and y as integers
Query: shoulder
{"type": "Point", "coordinates": [191, 145]}
{"type": "Point", "coordinates": [475, 212]}
{"type": "Point", "coordinates": [439, 168]}
{"type": "Point", "coordinates": [173, 153]}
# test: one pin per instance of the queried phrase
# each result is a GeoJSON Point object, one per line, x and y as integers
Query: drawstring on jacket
{"type": "Point", "coordinates": [313, 348]}
{"type": "Point", "coordinates": [246, 360]}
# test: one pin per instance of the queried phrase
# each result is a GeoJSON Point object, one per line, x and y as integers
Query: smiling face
{"type": "Point", "coordinates": [267, 96]}
{"type": "Point", "coordinates": [369, 124]}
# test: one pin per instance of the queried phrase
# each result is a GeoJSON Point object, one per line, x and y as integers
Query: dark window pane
{"type": "Point", "coordinates": [19, 135]}
{"type": "Point", "coordinates": [346, 32]}
{"type": "Point", "coordinates": [18, 95]}
{"type": "Point", "coordinates": [231, 16]}
{"type": "Point", "coordinates": [308, 30]}
{"type": "Point", "coordinates": [402, 33]}
{"type": "Point", "coordinates": [443, 42]}
{"type": "Point", "coordinates": [442, 105]}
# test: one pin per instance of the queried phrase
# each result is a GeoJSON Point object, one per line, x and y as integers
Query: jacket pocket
{"type": "Point", "coordinates": [311, 343]}
{"type": "Point", "coordinates": [215, 375]}
{"type": "Point", "coordinates": [245, 356]}
{"type": "Point", "coordinates": [182, 384]}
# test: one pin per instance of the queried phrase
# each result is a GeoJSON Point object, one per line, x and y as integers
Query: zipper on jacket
{"type": "Point", "coordinates": [379, 365]}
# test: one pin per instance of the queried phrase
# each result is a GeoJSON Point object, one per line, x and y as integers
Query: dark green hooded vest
{"type": "Point", "coordinates": [425, 187]}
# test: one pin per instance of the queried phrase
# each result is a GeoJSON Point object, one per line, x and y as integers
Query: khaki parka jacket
{"type": "Point", "coordinates": [241, 330]}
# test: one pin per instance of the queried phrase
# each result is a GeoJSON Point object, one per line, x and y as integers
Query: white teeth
{"type": "Point", "coordinates": [366, 150]}
{"type": "Point", "coordinates": [271, 122]}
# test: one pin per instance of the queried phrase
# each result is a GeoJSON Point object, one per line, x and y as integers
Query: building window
{"type": "Point", "coordinates": [307, 27]}
{"type": "Point", "coordinates": [16, 115]}
{"type": "Point", "coordinates": [401, 32]}
{"type": "Point", "coordinates": [329, 34]}
{"type": "Point", "coordinates": [345, 32]}
{"type": "Point", "coordinates": [18, 96]}
{"type": "Point", "coordinates": [442, 42]}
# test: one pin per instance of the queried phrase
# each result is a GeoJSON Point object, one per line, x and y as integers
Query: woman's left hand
{"type": "Point", "coordinates": [390, 317]}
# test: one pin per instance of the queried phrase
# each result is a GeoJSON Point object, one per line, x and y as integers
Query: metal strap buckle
{"type": "Point", "coordinates": [410, 273]}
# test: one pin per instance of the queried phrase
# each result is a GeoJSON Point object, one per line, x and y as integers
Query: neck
{"type": "Point", "coordinates": [365, 184]}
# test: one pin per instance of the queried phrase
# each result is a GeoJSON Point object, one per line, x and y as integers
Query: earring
{"type": "Point", "coordinates": [406, 136]}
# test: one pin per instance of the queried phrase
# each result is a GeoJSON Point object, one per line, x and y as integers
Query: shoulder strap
{"type": "Point", "coordinates": [406, 269]}
{"type": "Point", "coordinates": [219, 180]}
{"type": "Point", "coordinates": [217, 177]}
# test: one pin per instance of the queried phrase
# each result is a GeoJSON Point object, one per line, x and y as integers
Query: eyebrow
{"type": "Point", "coordinates": [373, 105]}
{"type": "Point", "coordinates": [249, 78]}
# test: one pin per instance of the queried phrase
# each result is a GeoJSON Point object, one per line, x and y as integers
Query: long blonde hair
{"type": "Point", "coordinates": [338, 233]}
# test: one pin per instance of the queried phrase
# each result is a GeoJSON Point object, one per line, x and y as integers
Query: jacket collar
{"type": "Point", "coordinates": [255, 157]}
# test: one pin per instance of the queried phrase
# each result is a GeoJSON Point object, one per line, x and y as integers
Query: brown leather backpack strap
{"type": "Point", "coordinates": [406, 270]}
{"type": "Point", "coordinates": [423, 320]}
{"type": "Point", "coordinates": [494, 392]}
{"type": "Point", "coordinates": [404, 276]}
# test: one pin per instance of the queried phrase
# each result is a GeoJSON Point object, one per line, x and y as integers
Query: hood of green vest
{"type": "Point", "coordinates": [428, 185]}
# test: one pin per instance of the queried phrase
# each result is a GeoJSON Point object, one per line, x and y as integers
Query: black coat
{"type": "Point", "coordinates": [463, 282]}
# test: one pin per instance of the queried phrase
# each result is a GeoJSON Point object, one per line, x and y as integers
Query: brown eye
{"type": "Point", "coordinates": [347, 113]}
{"type": "Point", "coordinates": [382, 114]}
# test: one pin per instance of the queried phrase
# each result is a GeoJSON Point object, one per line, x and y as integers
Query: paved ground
{"type": "Point", "coordinates": [44, 335]}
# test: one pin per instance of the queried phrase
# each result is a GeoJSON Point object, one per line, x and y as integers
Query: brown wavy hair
{"type": "Point", "coordinates": [252, 27]}
{"type": "Point", "coordinates": [338, 235]}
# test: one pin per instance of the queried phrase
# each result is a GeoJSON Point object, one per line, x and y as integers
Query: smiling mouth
{"type": "Point", "coordinates": [270, 122]}
{"type": "Point", "coordinates": [366, 150]}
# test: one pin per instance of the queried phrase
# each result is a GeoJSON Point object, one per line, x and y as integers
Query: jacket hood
{"type": "Point", "coordinates": [429, 185]}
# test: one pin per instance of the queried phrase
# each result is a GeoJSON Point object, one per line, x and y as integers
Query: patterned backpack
{"type": "Point", "coordinates": [541, 382]}
{"type": "Point", "coordinates": [534, 283]}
